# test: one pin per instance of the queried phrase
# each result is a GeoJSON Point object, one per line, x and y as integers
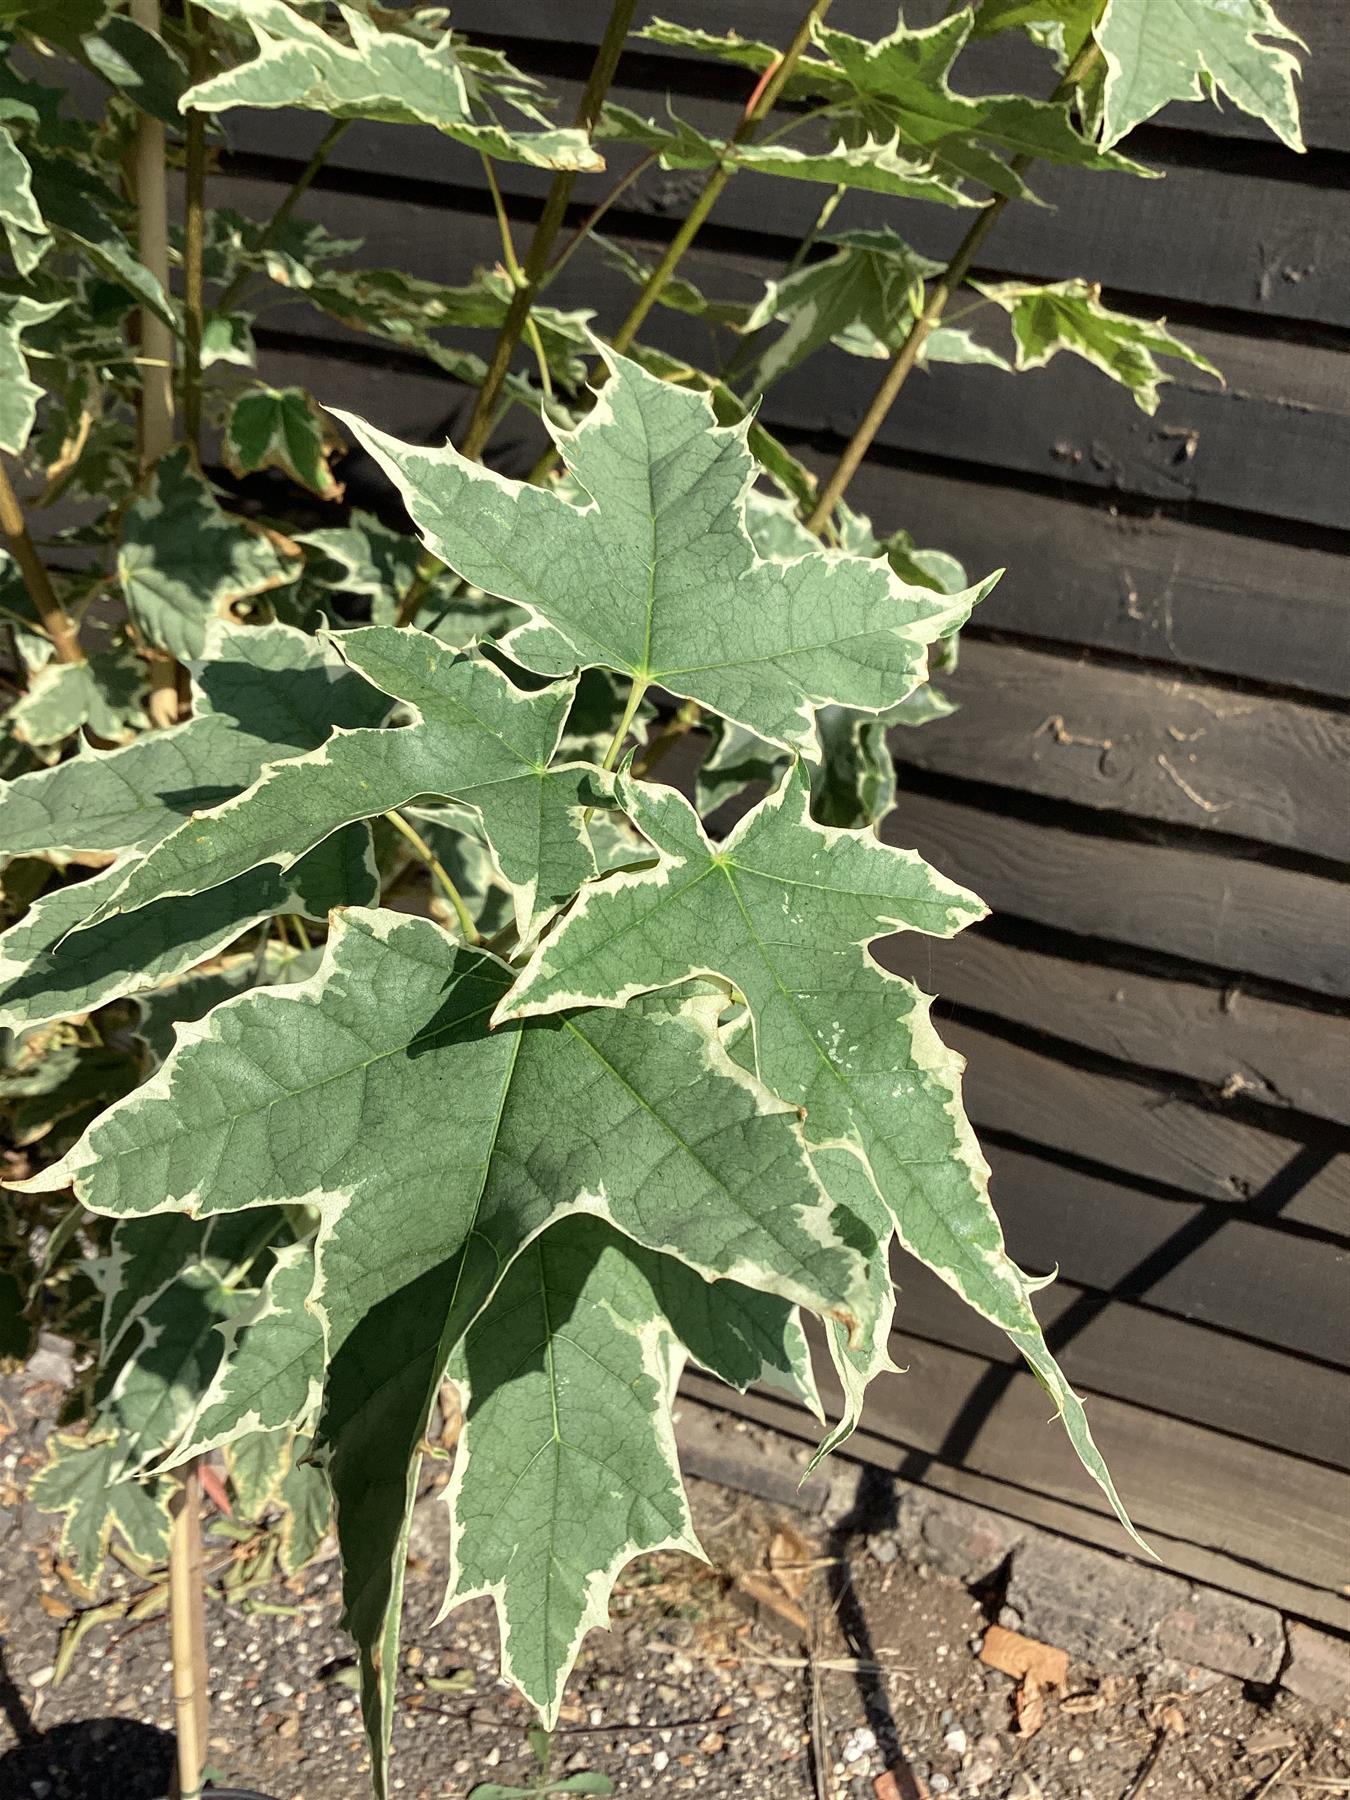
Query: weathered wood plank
{"type": "Point", "coordinates": [1007, 62]}
{"type": "Point", "coordinates": [1250, 242]}
{"type": "Point", "coordinates": [1174, 1476]}
{"type": "Point", "coordinates": [1069, 421]}
{"type": "Point", "coordinates": [1169, 591]}
{"type": "Point", "coordinates": [1140, 1130]}
{"type": "Point", "coordinates": [1173, 1367]}
{"type": "Point", "coordinates": [1188, 595]}
{"type": "Point", "coordinates": [1231, 914]}
{"type": "Point", "coordinates": [1238, 1043]}
{"type": "Point", "coordinates": [1191, 1258]}
{"type": "Point", "coordinates": [1133, 742]}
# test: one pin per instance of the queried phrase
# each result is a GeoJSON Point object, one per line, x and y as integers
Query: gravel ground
{"type": "Point", "coordinates": [800, 1665]}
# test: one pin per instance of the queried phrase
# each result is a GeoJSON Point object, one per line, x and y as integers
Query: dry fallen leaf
{"type": "Point", "coordinates": [1018, 1656]}
{"type": "Point", "coordinates": [765, 1593]}
{"type": "Point", "coordinates": [1037, 1668]}
{"type": "Point", "coordinates": [791, 1560]}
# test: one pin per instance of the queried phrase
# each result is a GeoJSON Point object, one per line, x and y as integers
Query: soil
{"type": "Point", "coordinates": [802, 1663]}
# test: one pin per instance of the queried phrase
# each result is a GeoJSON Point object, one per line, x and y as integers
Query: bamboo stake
{"type": "Point", "coordinates": [187, 1634]}
{"type": "Point", "coordinates": [152, 216]}
{"type": "Point", "coordinates": [55, 620]}
{"type": "Point", "coordinates": [156, 339]}
{"type": "Point", "coordinates": [194, 243]}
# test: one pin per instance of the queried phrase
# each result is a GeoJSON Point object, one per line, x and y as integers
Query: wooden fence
{"type": "Point", "coordinates": [1146, 777]}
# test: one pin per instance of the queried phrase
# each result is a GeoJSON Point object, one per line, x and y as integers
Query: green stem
{"type": "Point", "coordinates": [194, 242]}
{"type": "Point", "coordinates": [636, 690]}
{"type": "Point", "coordinates": [52, 616]}
{"type": "Point", "coordinates": [594, 216]}
{"type": "Point", "coordinates": [274, 226]}
{"type": "Point", "coordinates": [760, 103]}
{"type": "Point", "coordinates": [482, 419]}
{"type": "Point", "coordinates": [907, 356]}
{"type": "Point", "coordinates": [433, 862]}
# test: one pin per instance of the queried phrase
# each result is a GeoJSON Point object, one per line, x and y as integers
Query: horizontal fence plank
{"type": "Point", "coordinates": [1232, 914]}
{"type": "Point", "coordinates": [1237, 1042]}
{"type": "Point", "coordinates": [1154, 587]}
{"type": "Point", "coordinates": [1192, 596]}
{"type": "Point", "coordinates": [1194, 1259]}
{"type": "Point", "coordinates": [1147, 1132]}
{"type": "Point", "coordinates": [1247, 1518]}
{"type": "Point", "coordinates": [1169, 1365]}
{"type": "Point", "coordinates": [1126, 741]}
{"type": "Point", "coordinates": [1248, 242]}
{"type": "Point", "coordinates": [1069, 421]}
{"type": "Point", "coordinates": [1178, 1477]}
{"type": "Point", "coordinates": [784, 1434]}
{"type": "Point", "coordinates": [1006, 62]}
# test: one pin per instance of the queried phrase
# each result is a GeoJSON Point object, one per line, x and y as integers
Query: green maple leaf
{"type": "Point", "coordinates": [1161, 50]}
{"type": "Point", "coordinates": [784, 909]}
{"type": "Point", "coordinates": [381, 74]}
{"type": "Point", "coordinates": [184, 561]}
{"type": "Point", "coordinates": [337, 1093]}
{"type": "Point", "coordinates": [899, 86]}
{"type": "Point", "coordinates": [474, 738]}
{"type": "Point", "coordinates": [567, 1467]}
{"type": "Point", "coordinates": [878, 163]}
{"type": "Point", "coordinates": [1069, 315]}
{"type": "Point", "coordinates": [138, 64]}
{"type": "Point", "coordinates": [82, 1480]}
{"type": "Point", "coordinates": [861, 299]}
{"type": "Point", "coordinates": [26, 231]}
{"type": "Point", "coordinates": [281, 428]}
{"type": "Point", "coordinates": [265, 692]}
{"type": "Point", "coordinates": [19, 394]}
{"type": "Point", "coordinates": [656, 577]}
{"type": "Point", "coordinates": [270, 1371]}
{"type": "Point", "coordinates": [104, 692]}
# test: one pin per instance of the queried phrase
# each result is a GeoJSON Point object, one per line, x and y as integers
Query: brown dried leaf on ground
{"type": "Point", "coordinates": [1037, 1668]}
{"type": "Point", "coordinates": [792, 1560]}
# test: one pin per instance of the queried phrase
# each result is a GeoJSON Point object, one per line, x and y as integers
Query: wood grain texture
{"type": "Point", "coordinates": [1198, 1260]}
{"type": "Point", "coordinates": [1286, 1577]}
{"type": "Point", "coordinates": [1174, 1368]}
{"type": "Point", "coordinates": [1133, 742]}
{"type": "Point", "coordinates": [1137, 1129]}
{"type": "Point", "coordinates": [1070, 422]}
{"type": "Point", "coordinates": [1177, 592]}
{"type": "Point", "coordinates": [1251, 242]}
{"type": "Point", "coordinates": [1231, 913]}
{"type": "Point", "coordinates": [1005, 62]}
{"type": "Point", "coordinates": [1239, 1043]}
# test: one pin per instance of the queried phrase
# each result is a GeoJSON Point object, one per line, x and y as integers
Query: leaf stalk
{"type": "Point", "coordinates": [482, 419]}
{"type": "Point", "coordinates": [926, 320]}
{"type": "Point", "coordinates": [441, 874]}
{"type": "Point", "coordinates": [762, 99]}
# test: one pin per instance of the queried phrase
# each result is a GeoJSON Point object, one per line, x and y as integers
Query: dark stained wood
{"type": "Point", "coordinates": [1257, 245]}
{"type": "Point", "coordinates": [1174, 1476]}
{"type": "Point", "coordinates": [1002, 63]}
{"type": "Point", "coordinates": [1180, 593]}
{"type": "Point", "coordinates": [1226, 911]}
{"type": "Point", "coordinates": [1185, 1479]}
{"type": "Point", "coordinates": [1174, 1368]}
{"type": "Point", "coordinates": [1133, 742]}
{"type": "Point", "coordinates": [1194, 1259]}
{"type": "Point", "coordinates": [1144, 1131]}
{"type": "Point", "coordinates": [1070, 421]}
{"type": "Point", "coordinates": [1239, 1043]}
